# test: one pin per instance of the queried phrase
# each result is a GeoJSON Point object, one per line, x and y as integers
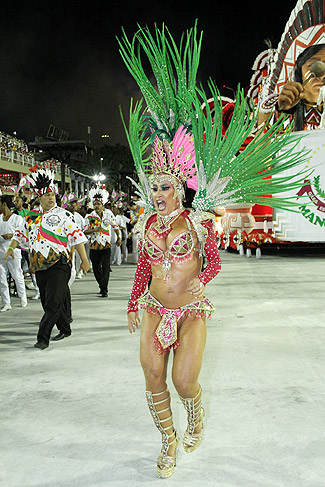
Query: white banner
{"type": "Point", "coordinates": [308, 225]}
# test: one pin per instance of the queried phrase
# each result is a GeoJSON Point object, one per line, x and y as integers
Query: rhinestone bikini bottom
{"type": "Point", "coordinates": [166, 332]}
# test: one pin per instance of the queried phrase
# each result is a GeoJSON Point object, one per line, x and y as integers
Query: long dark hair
{"type": "Point", "coordinates": [298, 116]}
{"type": "Point", "coordinates": [189, 197]}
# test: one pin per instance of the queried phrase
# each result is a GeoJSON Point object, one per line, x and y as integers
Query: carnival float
{"type": "Point", "coordinates": [246, 227]}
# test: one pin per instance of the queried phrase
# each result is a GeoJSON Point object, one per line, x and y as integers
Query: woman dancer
{"type": "Point", "coordinates": [174, 311]}
{"type": "Point", "coordinates": [188, 150]}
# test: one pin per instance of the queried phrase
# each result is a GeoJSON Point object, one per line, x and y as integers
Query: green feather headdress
{"type": "Point", "coordinates": [246, 174]}
{"type": "Point", "coordinates": [175, 71]}
{"type": "Point", "coordinates": [225, 173]}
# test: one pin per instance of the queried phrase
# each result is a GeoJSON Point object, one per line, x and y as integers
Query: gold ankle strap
{"type": "Point", "coordinates": [154, 394]}
{"type": "Point", "coordinates": [191, 398]}
{"type": "Point", "coordinates": [193, 407]}
{"type": "Point", "coordinates": [160, 421]}
{"type": "Point", "coordinates": [163, 400]}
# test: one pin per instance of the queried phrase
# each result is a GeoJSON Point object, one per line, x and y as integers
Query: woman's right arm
{"type": "Point", "coordinates": [141, 278]}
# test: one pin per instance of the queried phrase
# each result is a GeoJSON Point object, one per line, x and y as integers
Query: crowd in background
{"type": "Point", "coordinates": [12, 282]}
{"type": "Point", "coordinates": [16, 150]}
{"type": "Point", "coordinates": [10, 143]}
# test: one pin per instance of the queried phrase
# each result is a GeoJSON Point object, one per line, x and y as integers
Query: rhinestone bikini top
{"type": "Point", "coordinates": [178, 251]}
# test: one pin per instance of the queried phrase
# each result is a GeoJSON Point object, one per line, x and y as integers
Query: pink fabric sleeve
{"type": "Point", "coordinates": [141, 279]}
{"type": "Point", "coordinates": [212, 254]}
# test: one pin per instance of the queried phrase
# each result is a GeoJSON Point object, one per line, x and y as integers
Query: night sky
{"type": "Point", "coordinates": [59, 60]}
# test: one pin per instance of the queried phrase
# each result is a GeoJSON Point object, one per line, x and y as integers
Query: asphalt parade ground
{"type": "Point", "coordinates": [75, 414]}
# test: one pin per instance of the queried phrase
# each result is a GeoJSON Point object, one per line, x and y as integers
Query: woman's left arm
{"type": "Point", "coordinates": [196, 286]}
{"type": "Point", "coordinates": [212, 253]}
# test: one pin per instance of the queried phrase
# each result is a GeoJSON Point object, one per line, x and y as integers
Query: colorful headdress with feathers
{"type": "Point", "coordinates": [68, 198]}
{"type": "Point", "coordinates": [176, 157]}
{"type": "Point", "coordinates": [42, 180]}
{"type": "Point", "coordinates": [188, 143]}
{"type": "Point", "coordinates": [119, 199]}
{"type": "Point", "coordinates": [175, 161]}
{"type": "Point", "coordinates": [19, 189]}
{"type": "Point", "coordinates": [98, 194]}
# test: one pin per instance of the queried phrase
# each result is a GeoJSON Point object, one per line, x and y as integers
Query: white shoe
{"type": "Point", "coordinates": [37, 296]}
{"type": "Point", "coordinates": [23, 302]}
{"type": "Point", "coordinates": [79, 275]}
{"type": "Point", "coordinates": [5, 307]}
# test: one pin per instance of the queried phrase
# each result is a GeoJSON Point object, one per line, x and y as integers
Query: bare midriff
{"type": "Point", "coordinates": [171, 292]}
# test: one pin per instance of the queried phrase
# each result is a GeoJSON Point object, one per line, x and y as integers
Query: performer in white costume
{"type": "Point", "coordinates": [8, 224]}
{"type": "Point", "coordinates": [51, 234]}
{"type": "Point", "coordinates": [73, 207]}
{"type": "Point", "coordinates": [98, 229]}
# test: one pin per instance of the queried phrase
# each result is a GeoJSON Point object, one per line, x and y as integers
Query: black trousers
{"type": "Point", "coordinates": [100, 260]}
{"type": "Point", "coordinates": [55, 299]}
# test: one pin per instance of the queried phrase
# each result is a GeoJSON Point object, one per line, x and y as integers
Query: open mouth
{"type": "Point", "coordinates": [161, 205]}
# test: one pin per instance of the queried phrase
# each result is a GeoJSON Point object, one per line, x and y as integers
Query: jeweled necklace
{"type": "Point", "coordinates": [163, 225]}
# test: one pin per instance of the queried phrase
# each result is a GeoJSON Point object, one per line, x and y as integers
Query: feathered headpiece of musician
{"type": "Point", "coordinates": [42, 180]}
{"type": "Point", "coordinates": [98, 194]}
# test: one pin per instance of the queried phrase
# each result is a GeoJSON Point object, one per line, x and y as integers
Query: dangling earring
{"type": "Point", "coordinates": [180, 204]}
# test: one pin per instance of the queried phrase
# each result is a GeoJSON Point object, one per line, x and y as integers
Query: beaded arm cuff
{"type": "Point", "coordinates": [212, 254]}
{"type": "Point", "coordinates": [141, 279]}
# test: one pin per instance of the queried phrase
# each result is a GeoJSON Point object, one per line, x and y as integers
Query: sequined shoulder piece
{"type": "Point", "coordinates": [143, 223]}
{"type": "Point", "coordinates": [197, 219]}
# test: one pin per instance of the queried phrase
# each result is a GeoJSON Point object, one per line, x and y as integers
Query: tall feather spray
{"type": "Point", "coordinates": [244, 174]}
{"type": "Point", "coordinates": [225, 174]}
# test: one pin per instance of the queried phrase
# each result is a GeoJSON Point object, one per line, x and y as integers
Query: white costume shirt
{"type": "Point", "coordinates": [79, 220]}
{"type": "Point", "coordinates": [125, 221]}
{"type": "Point", "coordinates": [50, 235]}
{"type": "Point", "coordinates": [119, 221]}
{"type": "Point", "coordinates": [9, 226]}
{"type": "Point", "coordinates": [102, 239]}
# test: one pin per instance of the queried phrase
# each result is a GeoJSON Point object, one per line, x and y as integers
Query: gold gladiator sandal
{"type": "Point", "coordinates": [165, 463]}
{"type": "Point", "coordinates": [195, 416]}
